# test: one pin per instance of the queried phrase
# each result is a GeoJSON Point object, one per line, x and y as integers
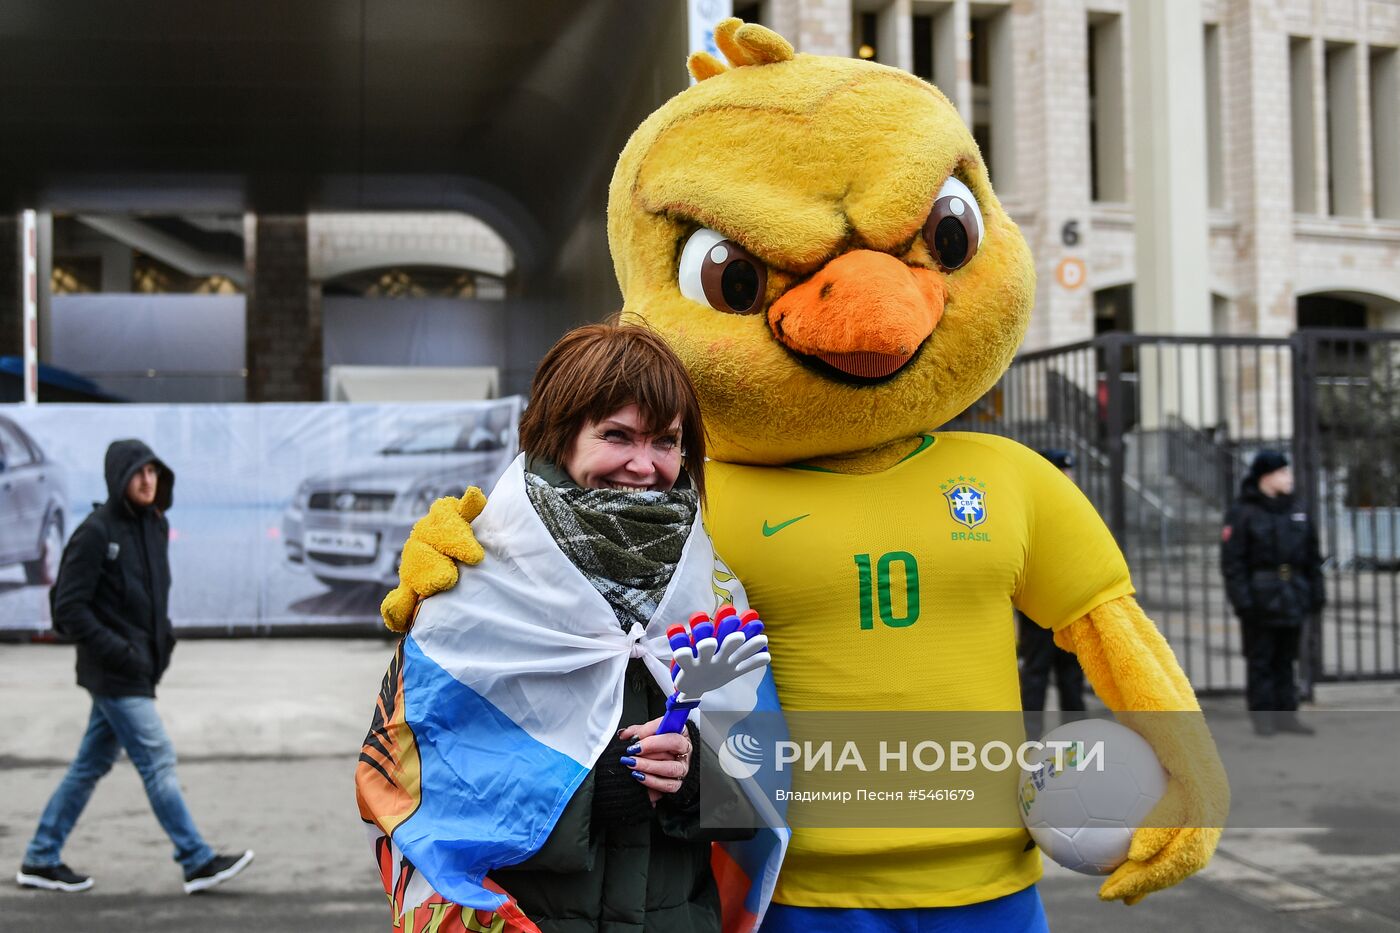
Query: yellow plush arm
{"type": "Point", "coordinates": [428, 563]}
{"type": "Point", "coordinates": [1133, 670]}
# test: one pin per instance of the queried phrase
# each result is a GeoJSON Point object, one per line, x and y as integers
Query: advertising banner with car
{"type": "Point", "coordinates": [284, 515]}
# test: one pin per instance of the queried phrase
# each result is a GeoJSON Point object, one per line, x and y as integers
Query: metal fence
{"type": "Point", "coordinates": [1163, 429]}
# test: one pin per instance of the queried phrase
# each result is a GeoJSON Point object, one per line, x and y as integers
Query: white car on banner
{"type": "Point", "coordinates": [33, 498]}
{"type": "Point", "coordinates": [347, 527]}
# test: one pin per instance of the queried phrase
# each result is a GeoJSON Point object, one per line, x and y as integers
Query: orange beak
{"type": "Point", "coordinates": [865, 313]}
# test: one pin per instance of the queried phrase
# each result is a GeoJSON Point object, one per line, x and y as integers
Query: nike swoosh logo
{"type": "Point", "coordinates": [770, 530]}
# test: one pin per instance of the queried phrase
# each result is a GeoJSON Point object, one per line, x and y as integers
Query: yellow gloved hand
{"type": "Point", "coordinates": [1133, 670]}
{"type": "Point", "coordinates": [1161, 855]}
{"type": "Point", "coordinates": [428, 563]}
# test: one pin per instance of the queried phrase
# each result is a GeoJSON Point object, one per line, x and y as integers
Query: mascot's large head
{"type": "Point", "coordinates": [818, 240]}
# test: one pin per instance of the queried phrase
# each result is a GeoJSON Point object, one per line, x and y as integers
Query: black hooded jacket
{"type": "Point", "coordinates": [114, 583]}
{"type": "Point", "coordinates": [1270, 559]}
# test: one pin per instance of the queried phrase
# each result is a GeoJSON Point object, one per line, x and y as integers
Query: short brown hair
{"type": "Point", "coordinates": [597, 369]}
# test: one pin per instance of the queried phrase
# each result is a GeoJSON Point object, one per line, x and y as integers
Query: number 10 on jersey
{"type": "Point", "coordinates": [876, 590]}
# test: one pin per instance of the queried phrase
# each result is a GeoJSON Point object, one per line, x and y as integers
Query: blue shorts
{"type": "Point", "coordinates": [1015, 913]}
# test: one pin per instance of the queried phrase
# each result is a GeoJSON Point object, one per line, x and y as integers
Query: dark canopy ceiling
{"type": "Point", "coordinates": [288, 104]}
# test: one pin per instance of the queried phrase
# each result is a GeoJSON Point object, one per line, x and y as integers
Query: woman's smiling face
{"type": "Point", "coordinates": [619, 452]}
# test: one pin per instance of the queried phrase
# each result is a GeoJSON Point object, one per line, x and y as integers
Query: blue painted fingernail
{"type": "Point", "coordinates": [639, 775]}
{"type": "Point", "coordinates": [634, 749]}
{"type": "Point", "coordinates": [629, 763]}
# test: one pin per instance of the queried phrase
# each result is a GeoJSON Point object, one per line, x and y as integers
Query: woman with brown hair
{"type": "Point", "coordinates": [555, 644]}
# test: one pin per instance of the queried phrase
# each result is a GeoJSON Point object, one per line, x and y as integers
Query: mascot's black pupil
{"type": "Point", "coordinates": [950, 242]}
{"type": "Point", "coordinates": [739, 285]}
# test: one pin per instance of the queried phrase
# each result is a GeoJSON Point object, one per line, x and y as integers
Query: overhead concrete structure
{"type": "Point", "coordinates": [511, 112]}
{"type": "Point", "coordinates": [342, 243]}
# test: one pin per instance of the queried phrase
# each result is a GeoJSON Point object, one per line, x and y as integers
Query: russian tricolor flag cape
{"type": "Point", "coordinates": [500, 700]}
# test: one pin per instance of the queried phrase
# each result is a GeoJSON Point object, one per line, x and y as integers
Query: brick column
{"type": "Point", "coordinates": [1259, 175]}
{"type": "Point", "coordinates": [823, 26]}
{"type": "Point", "coordinates": [1051, 86]}
{"type": "Point", "coordinates": [11, 307]}
{"type": "Point", "coordinates": [1259, 171]}
{"type": "Point", "coordinates": [1172, 291]}
{"type": "Point", "coordinates": [953, 44]}
{"type": "Point", "coordinates": [283, 316]}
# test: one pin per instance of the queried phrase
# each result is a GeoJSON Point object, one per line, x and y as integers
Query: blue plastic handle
{"type": "Point", "coordinates": [676, 715]}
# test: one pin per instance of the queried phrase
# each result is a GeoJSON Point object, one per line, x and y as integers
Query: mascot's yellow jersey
{"type": "Point", "coordinates": [894, 591]}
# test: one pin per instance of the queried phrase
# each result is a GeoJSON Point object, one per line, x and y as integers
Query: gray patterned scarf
{"type": "Point", "coordinates": [626, 543]}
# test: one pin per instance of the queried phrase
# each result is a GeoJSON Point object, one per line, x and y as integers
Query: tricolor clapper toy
{"type": "Point", "coordinates": [708, 655]}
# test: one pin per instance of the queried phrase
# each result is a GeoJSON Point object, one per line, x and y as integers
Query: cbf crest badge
{"type": "Point", "coordinates": [967, 500]}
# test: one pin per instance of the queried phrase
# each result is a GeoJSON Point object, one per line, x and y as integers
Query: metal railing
{"type": "Point", "coordinates": [1163, 429]}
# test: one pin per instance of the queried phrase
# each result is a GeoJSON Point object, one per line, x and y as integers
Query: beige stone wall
{"type": "Point", "coordinates": [819, 27]}
{"type": "Point", "coordinates": [1111, 260]}
{"type": "Point", "coordinates": [1261, 254]}
{"type": "Point", "coordinates": [1051, 187]}
{"type": "Point", "coordinates": [1357, 257]}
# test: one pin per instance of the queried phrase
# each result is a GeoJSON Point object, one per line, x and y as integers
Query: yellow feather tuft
{"type": "Point", "coordinates": [765, 47]}
{"type": "Point", "coordinates": [743, 44]}
{"type": "Point", "coordinates": [737, 54]}
{"type": "Point", "coordinates": [750, 44]}
{"type": "Point", "coordinates": [703, 65]}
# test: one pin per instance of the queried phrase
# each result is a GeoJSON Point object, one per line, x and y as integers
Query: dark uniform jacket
{"type": "Point", "coordinates": [615, 864]}
{"type": "Point", "coordinates": [1270, 559]}
{"type": "Point", "coordinates": [114, 583]}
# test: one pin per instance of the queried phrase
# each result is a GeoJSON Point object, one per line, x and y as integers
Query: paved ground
{"type": "Point", "coordinates": [268, 731]}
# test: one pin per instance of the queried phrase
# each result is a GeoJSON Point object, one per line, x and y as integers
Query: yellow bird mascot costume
{"type": "Point", "coordinates": [818, 240]}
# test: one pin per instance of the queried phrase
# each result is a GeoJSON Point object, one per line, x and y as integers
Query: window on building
{"type": "Point", "coordinates": [875, 29]}
{"type": "Point", "coordinates": [147, 254]}
{"type": "Point", "coordinates": [1107, 135]}
{"type": "Point", "coordinates": [1113, 309]}
{"type": "Point", "coordinates": [1303, 129]}
{"type": "Point", "coordinates": [923, 46]}
{"type": "Point", "coordinates": [981, 92]}
{"type": "Point", "coordinates": [751, 12]}
{"type": "Point", "coordinates": [1343, 131]}
{"type": "Point", "coordinates": [867, 35]}
{"type": "Point", "coordinates": [1215, 137]}
{"type": "Point", "coordinates": [936, 45]}
{"type": "Point", "coordinates": [1113, 312]}
{"type": "Point", "coordinates": [1219, 314]}
{"type": "Point", "coordinates": [1339, 356]}
{"type": "Point", "coordinates": [993, 107]}
{"type": "Point", "coordinates": [1385, 132]}
{"type": "Point", "coordinates": [1330, 311]}
{"type": "Point", "coordinates": [977, 39]}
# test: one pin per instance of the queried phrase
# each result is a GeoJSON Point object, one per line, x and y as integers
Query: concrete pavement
{"type": "Point", "coordinates": [268, 731]}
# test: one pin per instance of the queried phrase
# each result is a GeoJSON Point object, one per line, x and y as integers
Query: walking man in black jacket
{"type": "Point", "coordinates": [110, 598]}
{"type": "Point", "coordinates": [1273, 577]}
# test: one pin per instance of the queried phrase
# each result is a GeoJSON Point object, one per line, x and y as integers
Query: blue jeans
{"type": "Point", "coordinates": [133, 724]}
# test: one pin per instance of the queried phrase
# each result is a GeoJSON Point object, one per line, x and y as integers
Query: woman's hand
{"type": "Point", "coordinates": [662, 761]}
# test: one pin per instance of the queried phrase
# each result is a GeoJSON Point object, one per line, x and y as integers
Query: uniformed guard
{"type": "Point", "coordinates": [1273, 577]}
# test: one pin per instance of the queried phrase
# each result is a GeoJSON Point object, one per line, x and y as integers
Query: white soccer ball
{"type": "Point", "coordinates": [1084, 819]}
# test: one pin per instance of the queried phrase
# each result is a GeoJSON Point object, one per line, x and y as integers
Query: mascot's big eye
{"type": "Point", "coordinates": [953, 230]}
{"type": "Point", "coordinates": [721, 273]}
